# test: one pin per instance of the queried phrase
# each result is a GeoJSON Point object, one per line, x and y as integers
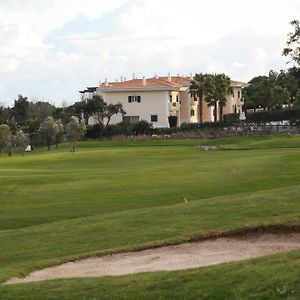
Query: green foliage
{"type": "Point", "coordinates": [39, 111]}
{"type": "Point", "coordinates": [198, 88]}
{"type": "Point", "coordinates": [48, 131]}
{"type": "Point", "coordinates": [4, 114]}
{"type": "Point", "coordinates": [278, 115]}
{"type": "Point", "coordinates": [217, 88]}
{"type": "Point", "coordinates": [21, 141]}
{"type": "Point", "coordinates": [94, 131]}
{"type": "Point", "coordinates": [99, 109]}
{"type": "Point", "coordinates": [205, 125]}
{"type": "Point", "coordinates": [141, 127]}
{"type": "Point", "coordinates": [5, 137]}
{"type": "Point", "coordinates": [293, 43]}
{"type": "Point", "coordinates": [75, 130]}
{"type": "Point", "coordinates": [20, 111]}
{"type": "Point", "coordinates": [60, 133]}
{"type": "Point", "coordinates": [231, 119]}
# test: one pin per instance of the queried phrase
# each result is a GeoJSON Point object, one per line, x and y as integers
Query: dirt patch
{"type": "Point", "coordinates": [170, 258]}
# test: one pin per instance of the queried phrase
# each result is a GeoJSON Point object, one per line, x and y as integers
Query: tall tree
{"type": "Point", "coordinates": [100, 110]}
{"type": "Point", "coordinates": [20, 110]}
{"type": "Point", "coordinates": [5, 137]}
{"type": "Point", "coordinates": [4, 114]}
{"type": "Point", "coordinates": [288, 82]}
{"type": "Point", "coordinates": [224, 89]}
{"type": "Point", "coordinates": [60, 133]}
{"type": "Point", "coordinates": [75, 130]}
{"type": "Point", "coordinates": [39, 111]}
{"type": "Point", "coordinates": [48, 131]}
{"type": "Point", "coordinates": [197, 90]}
{"type": "Point", "coordinates": [111, 110]}
{"type": "Point", "coordinates": [292, 48]}
{"type": "Point", "coordinates": [217, 88]}
{"type": "Point", "coordinates": [21, 141]}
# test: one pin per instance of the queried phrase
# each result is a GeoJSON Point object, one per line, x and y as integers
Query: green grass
{"type": "Point", "coordinates": [116, 196]}
{"type": "Point", "coordinates": [269, 278]}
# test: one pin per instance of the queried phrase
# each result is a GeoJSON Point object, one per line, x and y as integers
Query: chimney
{"type": "Point", "coordinates": [156, 76]}
{"type": "Point", "coordinates": [125, 79]}
{"type": "Point", "coordinates": [191, 76]}
{"type": "Point", "coordinates": [169, 77]}
{"type": "Point", "coordinates": [133, 75]}
{"type": "Point", "coordinates": [106, 82]}
{"type": "Point", "coordinates": [144, 81]}
{"type": "Point", "coordinates": [121, 78]}
{"type": "Point", "coordinates": [100, 84]}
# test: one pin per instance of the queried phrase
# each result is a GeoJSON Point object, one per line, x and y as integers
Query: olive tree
{"type": "Point", "coordinates": [75, 130]}
{"type": "Point", "coordinates": [21, 141]}
{"type": "Point", "coordinates": [60, 133]}
{"type": "Point", "coordinates": [5, 138]}
{"type": "Point", "coordinates": [48, 131]}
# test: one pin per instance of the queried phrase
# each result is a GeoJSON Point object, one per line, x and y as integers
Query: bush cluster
{"type": "Point", "coordinates": [292, 115]}
{"type": "Point", "coordinates": [98, 131]}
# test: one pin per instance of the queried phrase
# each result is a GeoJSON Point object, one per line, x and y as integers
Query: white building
{"type": "Point", "coordinates": [155, 99]}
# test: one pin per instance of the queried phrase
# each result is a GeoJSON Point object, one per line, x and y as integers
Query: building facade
{"type": "Point", "coordinates": [155, 99]}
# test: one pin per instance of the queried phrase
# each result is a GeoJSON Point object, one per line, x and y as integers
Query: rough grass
{"type": "Point", "coordinates": [109, 196]}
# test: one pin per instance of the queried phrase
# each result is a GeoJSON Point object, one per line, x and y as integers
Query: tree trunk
{"type": "Point", "coordinates": [48, 147]}
{"type": "Point", "coordinates": [216, 112]}
{"type": "Point", "coordinates": [221, 112]}
{"type": "Point", "coordinates": [201, 108]}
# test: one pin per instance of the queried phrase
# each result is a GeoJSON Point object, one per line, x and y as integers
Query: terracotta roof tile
{"type": "Point", "coordinates": [160, 82]}
{"type": "Point", "coordinates": [138, 83]}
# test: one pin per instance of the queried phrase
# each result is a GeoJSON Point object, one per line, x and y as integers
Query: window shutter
{"type": "Point", "coordinates": [139, 99]}
{"type": "Point", "coordinates": [129, 99]}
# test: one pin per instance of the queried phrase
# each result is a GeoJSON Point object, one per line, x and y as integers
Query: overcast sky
{"type": "Point", "coordinates": [50, 49]}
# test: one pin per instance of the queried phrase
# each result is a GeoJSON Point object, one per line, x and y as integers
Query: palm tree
{"type": "Point", "coordinates": [211, 93]}
{"type": "Point", "coordinates": [197, 89]}
{"type": "Point", "coordinates": [217, 88]}
{"type": "Point", "coordinates": [224, 89]}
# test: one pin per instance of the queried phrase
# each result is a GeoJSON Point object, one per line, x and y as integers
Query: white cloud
{"type": "Point", "coordinates": [52, 48]}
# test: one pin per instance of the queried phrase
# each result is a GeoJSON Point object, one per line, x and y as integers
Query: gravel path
{"type": "Point", "coordinates": [179, 257]}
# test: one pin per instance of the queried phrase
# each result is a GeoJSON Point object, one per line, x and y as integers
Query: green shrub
{"type": "Point", "coordinates": [94, 131]}
{"type": "Point", "coordinates": [277, 115]}
{"type": "Point", "coordinates": [141, 127]}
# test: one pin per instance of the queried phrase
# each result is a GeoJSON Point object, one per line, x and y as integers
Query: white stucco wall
{"type": "Point", "coordinates": [152, 103]}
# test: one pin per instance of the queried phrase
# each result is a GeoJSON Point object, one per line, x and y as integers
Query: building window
{"type": "Point", "coordinates": [177, 98]}
{"type": "Point", "coordinates": [174, 104]}
{"type": "Point", "coordinates": [134, 99]}
{"type": "Point", "coordinates": [239, 94]}
{"type": "Point", "coordinates": [154, 118]}
{"type": "Point", "coordinates": [170, 97]}
{"type": "Point", "coordinates": [130, 119]}
{"type": "Point", "coordinates": [192, 113]}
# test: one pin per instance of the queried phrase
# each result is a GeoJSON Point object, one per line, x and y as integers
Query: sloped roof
{"type": "Point", "coordinates": [155, 83]}
{"type": "Point", "coordinates": [151, 83]}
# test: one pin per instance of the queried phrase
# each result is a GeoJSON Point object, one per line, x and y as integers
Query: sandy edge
{"type": "Point", "coordinates": [169, 258]}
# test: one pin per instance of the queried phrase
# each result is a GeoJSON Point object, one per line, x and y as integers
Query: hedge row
{"type": "Point", "coordinates": [277, 115]}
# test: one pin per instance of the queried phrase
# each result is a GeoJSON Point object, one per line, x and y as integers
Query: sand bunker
{"type": "Point", "coordinates": [169, 258]}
